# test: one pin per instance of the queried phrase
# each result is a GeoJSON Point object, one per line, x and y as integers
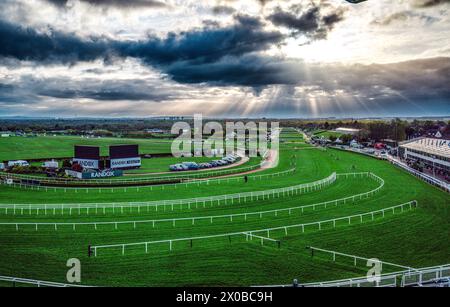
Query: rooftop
{"type": "Point", "coordinates": [436, 147]}
{"type": "Point", "coordinates": [347, 130]}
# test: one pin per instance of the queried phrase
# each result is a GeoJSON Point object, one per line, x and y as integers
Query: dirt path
{"type": "Point", "coordinates": [270, 162]}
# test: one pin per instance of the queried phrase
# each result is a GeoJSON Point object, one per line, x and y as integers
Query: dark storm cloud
{"type": "Point", "coordinates": [204, 45]}
{"type": "Point", "coordinates": [428, 3]}
{"type": "Point", "coordinates": [250, 70]}
{"type": "Point", "coordinates": [103, 94]}
{"type": "Point", "coordinates": [419, 79]}
{"type": "Point", "coordinates": [115, 3]}
{"type": "Point", "coordinates": [309, 21]}
{"type": "Point", "coordinates": [207, 44]}
{"type": "Point", "coordinates": [40, 89]}
{"type": "Point", "coordinates": [29, 44]}
{"type": "Point", "coordinates": [6, 88]}
{"type": "Point", "coordinates": [415, 80]}
{"type": "Point", "coordinates": [214, 55]}
{"type": "Point", "coordinates": [174, 54]}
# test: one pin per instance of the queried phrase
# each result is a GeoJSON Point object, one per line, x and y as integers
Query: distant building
{"type": "Point", "coordinates": [351, 131]}
{"type": "Point", "coordinates": [434, 153]}
{"type": "Point", "coordinates": [155, 131]}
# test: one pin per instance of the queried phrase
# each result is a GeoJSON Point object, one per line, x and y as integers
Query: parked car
{"type": "Point", "coordinates": [191, 165]}
{"type": "Point", "coordinates": [50, 164]}
{"type": "Point", "coordinates": [229, 159]}
{"type": "Point", "coordinates": [18, 163]}
{"type": "Point", "coordinates": [379, 146]}
{"type": "Point", "coordinates": [176, 168]}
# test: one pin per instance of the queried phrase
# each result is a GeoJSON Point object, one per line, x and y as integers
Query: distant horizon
{"type": "Point", "coordinates": [435, 117]}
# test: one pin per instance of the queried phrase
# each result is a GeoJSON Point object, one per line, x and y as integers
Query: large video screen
{"type": "Point", "coordinates": [123, 151]}
{"type": "Point", "coordinates": [87, 152]}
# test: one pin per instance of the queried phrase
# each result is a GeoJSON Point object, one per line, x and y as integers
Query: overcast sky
{"type": "Point", "coordinates": [273, 58]}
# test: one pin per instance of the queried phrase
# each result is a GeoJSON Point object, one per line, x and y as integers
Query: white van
{"type": "Point", "coordinates": [2, 166]}
{"type": "Point", "coordinates": [50, 164]}
{"type": "Point", "coordinates": [18, 163]}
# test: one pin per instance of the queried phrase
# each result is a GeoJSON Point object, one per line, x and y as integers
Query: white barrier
{"type": "Point", "coordinates": [355, 258]}
{"type": "Point", "coordinates": [181, 203]}
{"type": "Point", "coordinates": [39, 283]}
{"type": "Point", "coordinates": [406, 206]}
{"type": "Point", "coordinates": [174, 221]}
{"type": "Point", "coordinates": [429, 275]}
{"type": "Point", "coordinates": [138, 188]}
{"type": "Point", "coordinates": [424, 276]}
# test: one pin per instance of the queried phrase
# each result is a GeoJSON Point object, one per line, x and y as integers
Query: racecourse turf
{"type": "Point", "coordinates": [414, 238]}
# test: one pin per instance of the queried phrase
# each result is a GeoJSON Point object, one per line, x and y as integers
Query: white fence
{"type": "Point", "coordinates": [230, 217]}
{"type": "Point", "coordinates": [137, 188]}
{"type": "Point", "coordinates": [397, 279]}
{"type": "Point", "coordinates": [424, 276]}
{"type": "Point", "coordinates": [172, 204]}
{"type": "Point", "coordinates": [355, 258]}
{"type": "Point", "coordinates": [428, 275]}
{"type": "Point", "coordinates": [14, 281]}
{"type": "Point", "coordinates": [406, 206]}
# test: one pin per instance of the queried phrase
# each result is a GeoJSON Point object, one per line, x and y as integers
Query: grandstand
{"type": "Point", "coordinates": [434, 153]}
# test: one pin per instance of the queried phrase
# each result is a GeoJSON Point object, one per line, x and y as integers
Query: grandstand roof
{"type": "Point", "coordinates": [347, 130]}
{"type": "Point", "coordinates": [436, 147]}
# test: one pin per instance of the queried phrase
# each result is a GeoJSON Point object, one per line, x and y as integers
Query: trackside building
{"type": "Point", "coordinates": [434, 153]}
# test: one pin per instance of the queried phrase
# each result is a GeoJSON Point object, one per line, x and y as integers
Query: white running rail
{"type": "Point", "coordinates": [154, 222]}
{"type": "Point", "coordinates": [355, 258]}
{"type": "Point", "coordinates": [406, 206]}
{"type": "Point", "coordinates": [396, 279]}
{"type": "Point", "coordinates": [137, 188]}
{"type": "Point", "coordinates": [39, 283]}
{"type": "Point", "coordinates": [238, 197]}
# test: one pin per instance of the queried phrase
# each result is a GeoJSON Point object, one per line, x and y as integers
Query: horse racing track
{"type": "Point", "coordinates": [257, 229]}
